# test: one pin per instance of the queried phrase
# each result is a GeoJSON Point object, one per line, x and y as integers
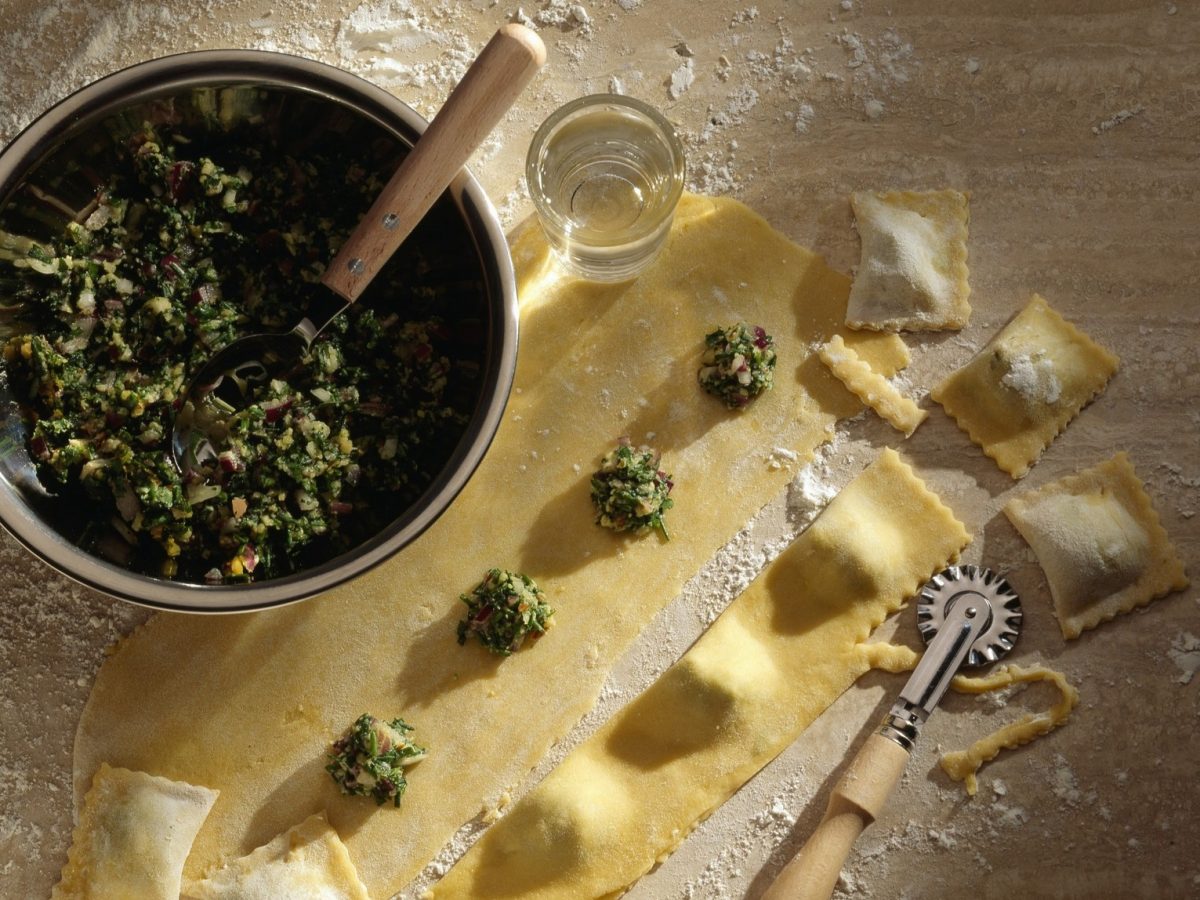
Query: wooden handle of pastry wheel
{"type": "Point", "coordinates": [487, 90]}
{"type": "Point", "coordinates": [856, 802]}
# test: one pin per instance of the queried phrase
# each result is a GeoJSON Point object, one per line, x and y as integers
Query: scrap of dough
{"type": "Point", "coordinates": [249, 704]}
{"type": "Point", "coordinates": [870, 387]}
{"type": "Point", "coordinates": [133, 836]}
{"type": "Point", "coordinates": [913, 271]}
{"type": "Point", "coordinates": [775, 659]}
{"type": "Point", "coordinates": [1098, 539]}
{"type": "Point", "coordinates": [961, 765]}
{"type": "Point", "coordinates": [1023, 388]}
{"type": "Point", "coordinates": [306, 862]}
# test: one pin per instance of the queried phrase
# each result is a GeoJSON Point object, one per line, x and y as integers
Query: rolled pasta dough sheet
{"type": "Point", "coordinates": [785, 649]}
{"type": "Point", "coordinates": [195, 696]}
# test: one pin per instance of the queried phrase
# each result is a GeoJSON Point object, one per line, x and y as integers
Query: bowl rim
{"type": "Point", "coordinates": [166, 75]}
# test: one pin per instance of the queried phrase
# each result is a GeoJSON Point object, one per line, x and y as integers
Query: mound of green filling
{"type": "Point", "coordinates": [182, 252]}
{"type": "Point", "coordinates": [630, 492]}
{"type": "Point", "coordinates": [370, 758]}
{"type": "Point", "coordinates": [738, 364]}
{"type": "Point", "coordinates": [504, 609]}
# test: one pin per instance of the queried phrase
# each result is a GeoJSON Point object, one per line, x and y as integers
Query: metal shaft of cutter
{"type": "Point", "coordinates": [966, 620]}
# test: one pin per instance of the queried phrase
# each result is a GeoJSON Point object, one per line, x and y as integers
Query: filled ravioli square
{"type": "Point", "coordinates": [308, 860]}
{"type": "Point", "coordinates": [1099, 541]}
{"type": "Point", "coordinates": [1023, 388]}
{"type": "Point", "coordinates": [133, 836]}
{"type": "Point", "coordinates": [913, 272]}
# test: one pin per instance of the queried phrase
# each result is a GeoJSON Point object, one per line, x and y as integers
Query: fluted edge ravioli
{"type": "Point", "coordinates": [1021, 390]}
{"type": "Point", "coordinates": [133, 836]}
{"type": "Point", "coordinates": [912, 275]}
{"type": "Point", "coordinates": [1099, 540]}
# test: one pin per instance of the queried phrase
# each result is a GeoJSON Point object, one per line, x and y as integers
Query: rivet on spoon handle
{"type": "Point", "coordinates": [491, 85]}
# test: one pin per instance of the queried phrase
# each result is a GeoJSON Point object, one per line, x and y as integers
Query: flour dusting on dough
{"type": "Point", "coordinates": [1033, 377]}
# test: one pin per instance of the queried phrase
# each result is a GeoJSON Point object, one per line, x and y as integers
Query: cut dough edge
{"type": "Point", "coordinates": [772, 662]}
{"type": "Point", "coordinates": [1164, 571]}
{"type": "Point", "coordinates": [899, 411]}
{"type": "Point", "coordinates": [309, 859]}
{"type": "Point", "coordinates": [964, 765]}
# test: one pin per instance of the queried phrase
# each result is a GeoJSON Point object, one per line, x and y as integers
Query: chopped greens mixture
{"type": "Point", "coordinates": [738, 364]}
{"type": "Point", "coordinates": [631, 492]}
{"type": "Point", "coordinates": [370, 759]}
{"type": "Point", "coordinates": [503, 610]}
{"type": "Point", "coordinates": [187, 247]}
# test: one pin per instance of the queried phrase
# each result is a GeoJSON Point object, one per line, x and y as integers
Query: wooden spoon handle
{"type": "Point", "coordinates": [855, 803]}
{"type": "Point", "coordinates": [487, 90]}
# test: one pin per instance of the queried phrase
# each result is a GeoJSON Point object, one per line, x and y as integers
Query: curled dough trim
{"type": "Point", "coordinates": [962, 765]}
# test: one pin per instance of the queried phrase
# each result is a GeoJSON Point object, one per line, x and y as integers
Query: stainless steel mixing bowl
{"type": "Point", "coordinates": [50, 169]}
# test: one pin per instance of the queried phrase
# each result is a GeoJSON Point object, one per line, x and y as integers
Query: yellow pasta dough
{"type": "Point", "coordinates": [913, 271]}
{"type": "Point", "coordinates": [870, 387]}
{"type": "Point", "coordinates": [249, 704]}
{"type": "Point", "coordinates": [1023, 388]}
{"type": "Point", "coordinates": [779, 655]}
{"type": "Point", "coordinates": [962, 765]}
{"type": "Point", "coordinates": [133, 836]}
{"type": "Point", "coordinates": [306, 862]}
{"type": "Point", "coordinates": [1099, 541]}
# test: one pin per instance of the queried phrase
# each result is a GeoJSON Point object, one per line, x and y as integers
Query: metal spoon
{"type": "Point", "coordinates": [486, 91]}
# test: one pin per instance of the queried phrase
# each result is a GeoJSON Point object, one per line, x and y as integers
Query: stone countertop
{"type": "Point", "coordinates": [1076, 128]}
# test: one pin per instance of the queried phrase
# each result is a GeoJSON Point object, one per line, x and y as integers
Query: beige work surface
{"type": "Point", "coordinates": [1076, 128]}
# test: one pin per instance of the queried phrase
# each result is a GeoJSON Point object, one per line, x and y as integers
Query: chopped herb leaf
{"type": "Point", "coordinates": [630, 491]}
{"type": "Point", "coordinates": [370, 759]}
{"type": "Point", "coordinates": [180, 257]}
{"type": "Point", "coordinates": [503, 610]}
{"type": "Point", "coordinates": [738, 364]}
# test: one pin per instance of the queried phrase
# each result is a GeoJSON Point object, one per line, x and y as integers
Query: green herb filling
{"type": "Point", "coordinates": [631, 492]}
{"type": "Point", "coordinates": [180, 256]}
{"type": "Point", "coordinates": [738, 364]}
{"type": "Point", "coordinates": [503, 610]}
{"type": "Point", "coordinates": [370, 759]}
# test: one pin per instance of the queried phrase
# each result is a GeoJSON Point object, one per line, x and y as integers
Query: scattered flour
{"type": "Point", "coordinates": [681, 79]}
{"type": "Point", "coordinates": [884, 61]}
{"type": "Point", "coordinates": [1063, 782]}
{"type": "Point", "coordinates": [1118, 118]}
{"type": "Point", "coordinates": [803, 118]}
{"type": "Point", "coordinates": [1185, 653]}
{"type": "Point", "coordinates": [393, 45]}
{"type": "Point", "coordinates": [816, 484]}
{"type": "Point", "coordinates": [759, 834]}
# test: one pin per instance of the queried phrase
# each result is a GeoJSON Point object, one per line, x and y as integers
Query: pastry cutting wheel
{"type": "Point", "coordinates": [968, 616]}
